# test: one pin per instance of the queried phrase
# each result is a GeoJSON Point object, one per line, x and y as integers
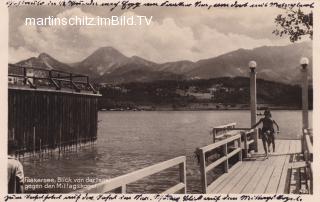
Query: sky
{"type": "Point", "coordinates": [174, 34]}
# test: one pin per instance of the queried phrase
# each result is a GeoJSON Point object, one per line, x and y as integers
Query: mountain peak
{"type": "Point", "coordinates": [44, 56]}
{"type": "Point", "coordinates": [108, 50]}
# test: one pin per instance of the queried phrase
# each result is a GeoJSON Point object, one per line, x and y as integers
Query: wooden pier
{"type": "Point", "coordinates": [288, 170]}
{"type": "Point", "coordinates": [258, 174]}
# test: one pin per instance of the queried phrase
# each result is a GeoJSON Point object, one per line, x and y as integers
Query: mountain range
{"type": "Point", "coordinates": [108, 65]}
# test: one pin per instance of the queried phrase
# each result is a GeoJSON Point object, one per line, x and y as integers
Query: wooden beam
{"type": "Point", "coordinates": [174, 189]}
{"type": "Point", "coordinates": [132, 177]}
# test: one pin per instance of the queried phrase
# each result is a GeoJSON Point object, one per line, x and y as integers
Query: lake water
{"type": "Point", "coordinates": [128, 141]}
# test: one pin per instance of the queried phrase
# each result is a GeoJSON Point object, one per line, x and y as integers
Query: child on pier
{"type": "Point", "coordinates": [267, 131]}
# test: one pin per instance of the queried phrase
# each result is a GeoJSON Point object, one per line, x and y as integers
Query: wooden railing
{"type": "Point", "coordinates": [248, 139]}
{"type": "Point", "coordinates": [204, 169]}
{"type": "Point", "coordinates": [307, 150]}
{"type": "Point", "coordinates": [248, 135]}
{"type": "Point", "coordinates": [35, 77]}
{"type": "Point", "coordinates": [219, 132]}
{"type": "Point", "coordinates": [119, 184]}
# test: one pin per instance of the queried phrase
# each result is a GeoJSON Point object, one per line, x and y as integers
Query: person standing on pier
{"type": "Point", "coordinates": [267, 131]}
{"type": "Point", "coordinates": [15, 170]}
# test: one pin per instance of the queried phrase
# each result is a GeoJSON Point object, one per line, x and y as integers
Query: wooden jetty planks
{"type": "Point", "coordinates": [276, 175]}
{"type": "Point", "coordinates": [261, 165]}
{"type": "Point", "coordinates": [237, 189]}
{"type": "Point", "coordinates": [233, 181]}
{"type": "Point", "coordinates": [270, 167]}
{"type": "Point", "coordinates": [224, 179]}
{"type": "Point", "coordinates": [283, 182]}
{"type": "Point", "coordinates": [255, 179]}
{"type": "Point", "coordinates": [259, 175]}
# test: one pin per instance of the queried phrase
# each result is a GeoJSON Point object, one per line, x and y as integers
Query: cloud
{"type": "Point", "coordinates": [20, 53]}
{"type": "Point", "coordinates": [167, 39]}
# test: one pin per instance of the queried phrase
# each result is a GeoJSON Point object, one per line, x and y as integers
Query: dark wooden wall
{"type": "Point", "coordinates": [41, 120]}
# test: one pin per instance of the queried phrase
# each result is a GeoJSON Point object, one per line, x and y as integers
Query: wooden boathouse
{"type": "Point", "coordinates": [50, 109]}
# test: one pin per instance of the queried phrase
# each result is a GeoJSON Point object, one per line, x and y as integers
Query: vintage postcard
{"type": "Point", "coordinates": [159, 100]}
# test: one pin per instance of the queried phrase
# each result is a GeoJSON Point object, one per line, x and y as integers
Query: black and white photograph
{"type": "Point", "coordinates": [160, 97]}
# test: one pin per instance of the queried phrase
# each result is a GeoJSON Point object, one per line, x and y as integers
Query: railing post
{"type": "Point", "coordinates": [255, 136]}
{"type": "Point", "coordinates": [59, 81]}
{"type": "Point", "coordinates": [239, 146]}
{"type": "Point", "coordinates": [70, 77]}
{"type": "Point", "coordinates": [245, 144]}
{"type": "Point", "coordinates": [183, 177]}
{"type": "Point", "coordinates": [203, 171]}
{"type": "Point", "coordinates": [214, 132]}
{"type": "Point", "coordinates": [226, 163]}
{"type": "Point", "coordinates": [124, 189]}
{"type": "Point", "coordinates": [25, 76]}
{"type": "Point", "coordinates": [311, 178]}
{"type": "Point", "coordinates": [303, 143]}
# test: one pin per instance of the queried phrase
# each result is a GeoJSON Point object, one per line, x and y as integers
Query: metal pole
{"type": "Point", "coordinates": [253, 100]}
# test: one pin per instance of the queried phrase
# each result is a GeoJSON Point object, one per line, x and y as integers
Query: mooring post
{"type": "Point", "coordinates": [304, 87]}
{"type": "Point", "coordinates": [253, 100]}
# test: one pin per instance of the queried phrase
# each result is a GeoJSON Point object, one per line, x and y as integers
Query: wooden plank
{"type": "Point", "coordinates": [226, 126]}
{"type": "Point", "coordinates": [309, 144]}
{"type": "Point", "coordinates": [216, 163]}
{"type": "Point", "coordinates": [226, 163]}
{"type": "Point", "coordinates": [174, 189]}
{"type": "Point", "coordinates": [276, 175]}
{"type": "Point", "coordinates": [246, 146]}
{"type": "Point", "coordinates": [183, 175]}
{"type": "Point", "coordinates": [295, 180]}
{"type": "Point", "coordinates": [265, 178]}
{"type": "Point", "coordinates": [237, 189]}
{"type": "Point", "coordinates": [256, 178]}
{"type": "Point", "coordinates": [250, 142]}
{"type": "Point", "coordinates": [220, 143]}
{"type": "Point", "coordinates": [285, 174]}
{"type": "Point", "coordinates": [132, 177]}
{"type": "Point", "coordinates": [203, 172]}
{"type": "Point", "coordinates": [234, 152]}
{"type": "Point", "coordinates": [300, 164]}
{"type": "Point", "coordinates": [260, 188]}
{"type": "Point", "coordinates": [235, 179]}
{"type": "Point", "coordinates": [283, 181]}
{"type": "Point", "coordinates": [224, 178]}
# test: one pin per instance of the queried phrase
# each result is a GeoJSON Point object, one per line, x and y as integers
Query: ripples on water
{"type": "Point", "coordinates": [128, 141]}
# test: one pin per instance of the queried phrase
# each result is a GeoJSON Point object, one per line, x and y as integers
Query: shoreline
{"type": "Point", "coordinates": [200, 109]}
